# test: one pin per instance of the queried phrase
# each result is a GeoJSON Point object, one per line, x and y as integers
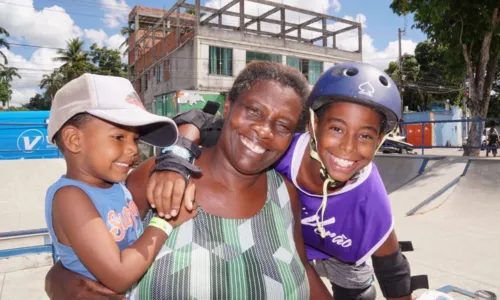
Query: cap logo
{"type": "Point", "coordinates": [366, 89]}
{"type": "Point", "coordinates": [133, 98]}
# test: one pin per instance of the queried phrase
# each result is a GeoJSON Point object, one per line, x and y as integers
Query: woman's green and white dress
{"type": "Point", "coordinates": [209, 257]}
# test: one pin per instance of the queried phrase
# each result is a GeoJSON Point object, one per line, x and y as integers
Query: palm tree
{"type": "Point", "coordinates": [6, 77]}
{"type": "Point", "coordinates": [52, 83]}
{"type": "Point", "coordinates": [125, 31]}
{"type": "Point", "coordinates": [75, 59]}
{"type": "Point", "coordinates": [4, 43]}
{"type": "Point", "coordinates": [73, 54]}
{"type": "Point", "coordinates": [8, 74]}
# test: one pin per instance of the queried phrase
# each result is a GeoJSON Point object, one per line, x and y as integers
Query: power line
{"type": "Point", "coordinates": [58, 11]}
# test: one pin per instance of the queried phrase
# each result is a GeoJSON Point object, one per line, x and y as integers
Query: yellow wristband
{"type": "Point", "coordinates": [161, 224]}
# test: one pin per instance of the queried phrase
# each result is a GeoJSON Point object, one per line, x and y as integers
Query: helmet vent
{"type": "Point", "coordinates": [383, 81]}
{"type": "Point", "coordinates": [351, 72]}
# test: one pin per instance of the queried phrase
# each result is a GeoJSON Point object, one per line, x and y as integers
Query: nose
{"type": "Point", "coordinates": [263, 130]}
{"type": "Point", "coordinates": [348, 143]}
{"type": "Point", "coordinates": [132, 149]}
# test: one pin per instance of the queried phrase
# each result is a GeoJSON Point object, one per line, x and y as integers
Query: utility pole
{"type": "Point", "coordinates": [400, 73]}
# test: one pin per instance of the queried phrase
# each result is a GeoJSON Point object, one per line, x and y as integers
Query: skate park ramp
{"type": "Point", "coordinates": [398, 170]}
{"type": "Point", "coordinates": [456, 235]}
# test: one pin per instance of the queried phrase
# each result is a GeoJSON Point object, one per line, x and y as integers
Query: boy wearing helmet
{"type": "Point", "coordinates": [346, 214]}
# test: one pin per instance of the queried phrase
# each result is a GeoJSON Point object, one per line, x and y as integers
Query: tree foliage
{"type": "Point", "coordinates": [426, 79]}
{"type": "Point", "coordinates": [77, 61]}
{"type": "Point", "coordinates": [469, 33]}
{"type": "Point", "coordinates": [38, 102]}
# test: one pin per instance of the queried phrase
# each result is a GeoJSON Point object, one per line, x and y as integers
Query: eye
{"type": "Point", "coordinates": [252, 111]}
{"type": "Point", "coordinates": [119, 137]}
{"type": "Point", "coordinates": [366, 137]}
{"type": "Point", "coordinates": [336, 129]}
{"type": "Point", "coordinates": [282, 128]}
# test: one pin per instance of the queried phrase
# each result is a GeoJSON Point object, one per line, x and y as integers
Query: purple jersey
{"type": "Point", "coordinates": [357, 219]}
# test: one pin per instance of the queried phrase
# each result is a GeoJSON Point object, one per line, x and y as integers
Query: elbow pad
{"type": "Point", "coordinates": [394, 275]}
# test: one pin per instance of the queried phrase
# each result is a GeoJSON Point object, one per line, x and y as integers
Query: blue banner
{"type": "Point", "coordinates": [23, 135]}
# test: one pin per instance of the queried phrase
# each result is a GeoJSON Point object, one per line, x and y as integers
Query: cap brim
{"type": "Point", "coordinates": [155, 130]}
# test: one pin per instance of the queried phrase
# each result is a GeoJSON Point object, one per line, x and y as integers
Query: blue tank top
{"type": "Point", "coordinates": [115, 206]}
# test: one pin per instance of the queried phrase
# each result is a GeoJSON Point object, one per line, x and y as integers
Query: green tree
{"type": "Point", "coordinates": [38, 102]}
{"type": "Point", "coordinates": [411, 70]}
{"type": "Point", "coordinates": [467, 29]}
{"type": "Point", "coordinates": [126, 31]}
{"type": "Point", "coordinates": [6, 77]}
{"type": "Point", "coordinates": [52, 83]}
{"type": "Point", "coordinates": [4, 43]}
{"type": "Point", "coordinates": [106, 61]}
{"type": "Point", "coordinates": [75, 59]}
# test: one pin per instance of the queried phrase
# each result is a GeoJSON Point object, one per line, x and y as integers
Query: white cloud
{"type": "Point", "coordinates": [116, 12]}
{"type": "Point", "coordinates": [51, 26]}
{"type": "Point", "coordinates": [22, 96]}
{"type": "Point", "coordinates": [31, 71]}
{"type": "Point", "coordinates": [335, 5]}
{"type": "Point", "coordinates": [115, 41]}
{"type": "Point", "coordinates": [382, 58]}
{"type": "Point", "coordinates": [95, 36]}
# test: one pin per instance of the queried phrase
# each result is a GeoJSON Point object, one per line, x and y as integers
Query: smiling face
{"type": "Point", "coordinates": [259, 126]}
{"type": "Point", "coordinates": [110, 150]}
{"type": "Point", "coordinates": [348, 135]}
{"type": "Point", "coordinates": [100, 152]}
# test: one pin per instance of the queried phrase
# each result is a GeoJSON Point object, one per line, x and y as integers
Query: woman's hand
{"type": "Point", "coordinates": [166, 191]}
{"type": "Point", "coordinates": [62, 284]}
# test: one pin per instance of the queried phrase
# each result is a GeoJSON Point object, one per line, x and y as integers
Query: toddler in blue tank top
{"type": "Point", "coordinates": [93, 221]}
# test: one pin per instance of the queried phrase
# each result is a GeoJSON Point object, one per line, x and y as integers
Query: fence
{"type": "Point", "coordinates": [439, 134]}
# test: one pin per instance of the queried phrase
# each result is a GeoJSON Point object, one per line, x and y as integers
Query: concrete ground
{"type": "Point", "coordinates": [456, 236]}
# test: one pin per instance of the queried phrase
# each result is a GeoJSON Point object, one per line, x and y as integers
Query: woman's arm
{"type": "Point", "coordinates": [318, 289]}
{"type": "Point", "coordinates": [62, 284]}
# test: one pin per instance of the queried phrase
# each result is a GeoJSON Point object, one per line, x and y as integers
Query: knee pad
{"type": "Point", "coordinates": [341, 293]}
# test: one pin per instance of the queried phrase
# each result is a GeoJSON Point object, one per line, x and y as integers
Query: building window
{"type": "Point", "coordinates": [311, 69]}
{"type": "Point", "coordinates": [146, 81]}
{"type": "Point", "coordinates": [253, 56]}
{"type": "Point", "coordinates": [159, 74]}
{"type": "Point", "coordinates": [220, 61]}
{"type": "Point", "coordinates": [167, 70]}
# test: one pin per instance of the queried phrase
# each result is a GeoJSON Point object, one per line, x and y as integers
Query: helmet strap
{"type": "Point", "coordinates": [328, 181]}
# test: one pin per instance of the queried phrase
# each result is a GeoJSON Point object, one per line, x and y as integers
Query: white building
{"type": "Point", "coordinates": [173, 52]}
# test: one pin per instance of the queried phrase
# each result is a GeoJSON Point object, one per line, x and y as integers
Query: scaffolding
{"type": "Point", "coordinates": [151, 25]}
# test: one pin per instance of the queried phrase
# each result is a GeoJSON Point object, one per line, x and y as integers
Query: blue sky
{"type": "Point", "coordinates": [49, 23]}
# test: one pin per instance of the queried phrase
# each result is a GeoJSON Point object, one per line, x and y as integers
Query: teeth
{"type": "Point", "coordinates": [122, 164]}
{"type": "Point", "coordinates": [342, 162]}
{"type": "Point", "coordinates": [250, 145]}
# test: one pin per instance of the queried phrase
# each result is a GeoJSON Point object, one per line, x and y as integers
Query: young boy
{"type": "Point", "coordinates": [346, 214]}
{"type": "Point", "coordinates": [93, 221]}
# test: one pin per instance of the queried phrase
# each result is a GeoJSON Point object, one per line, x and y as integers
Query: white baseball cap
{"type": "Point", "coordinates": [113, 99]}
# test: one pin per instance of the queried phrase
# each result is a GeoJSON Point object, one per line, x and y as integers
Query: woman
{"type": "Point", "coordinates": [244, 241]}
{"type": "Point", "coordinates": [346, 214]}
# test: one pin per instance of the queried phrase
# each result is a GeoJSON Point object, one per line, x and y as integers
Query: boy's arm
{"type": "Point", "coordinates": [318, 289]}
{"type": "Point", "coordinates": [78, 223]}
{"type": "Point", "coordinates": [144, 188]}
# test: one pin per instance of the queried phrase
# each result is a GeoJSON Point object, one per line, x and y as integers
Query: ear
{"type": "Point", "coordinates": [72, 138]}
{"type": "Point", "coordinates": [227, 107]}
